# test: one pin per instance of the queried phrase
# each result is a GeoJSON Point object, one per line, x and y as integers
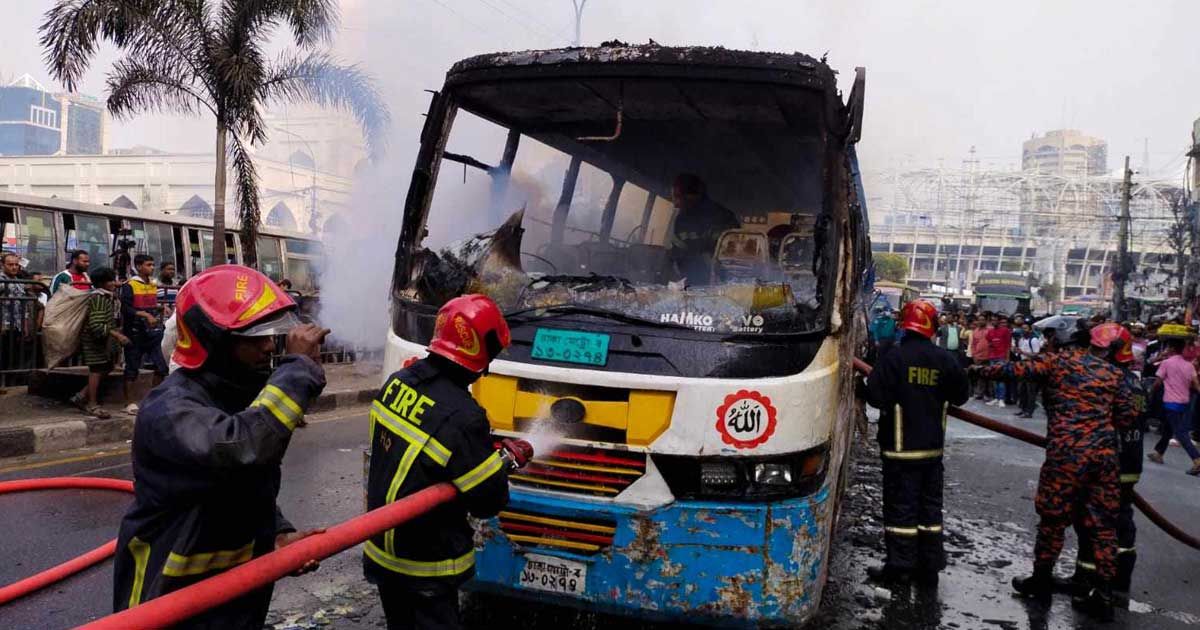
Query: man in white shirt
{"type": "Point", "coordinates": [1028, 346]}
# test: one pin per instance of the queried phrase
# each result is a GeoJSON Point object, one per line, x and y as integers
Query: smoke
{"type": "Point", "coordinates": [356, 276]}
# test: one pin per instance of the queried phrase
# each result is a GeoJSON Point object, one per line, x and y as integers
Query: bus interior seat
{"type": "Point", "coordinates": [741, 255]}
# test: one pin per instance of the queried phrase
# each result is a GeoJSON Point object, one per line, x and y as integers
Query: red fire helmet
{"type": "Point", "coordinates": [228, 300]}
{"type": "Point", "coordinates": [470, 331]}
{"type": "Point", "coordinates": [920, 317]}
{"type": "Point", "coordinates": [1110, 334]}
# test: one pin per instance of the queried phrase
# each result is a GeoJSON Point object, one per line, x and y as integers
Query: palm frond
{"type": "Point", "coordinates": [312, 22]}
{"type": "Point", "coordinates": [138, 83]}
{"type": "Point", "coordinates": [245, 177]}
{"type": "Point", "coordinates": [72, 30]}
{"type": "Point", "coordinates": [319, 79]}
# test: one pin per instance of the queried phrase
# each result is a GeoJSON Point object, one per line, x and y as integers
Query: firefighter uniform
{"type": "Point", "coordinates": [206, 466]}
{"type": "Point", "coordinates": [912, 386]}
{"type": "Point", "coordinates": [1083, 394]}
{"type": "Point", "coordinates": [426, 429]}
{"type": "Point", "coordinates": [1130, 447]}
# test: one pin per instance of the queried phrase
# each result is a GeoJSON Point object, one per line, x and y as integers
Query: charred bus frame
{"type": "Point", "coordinates": [662, 376]}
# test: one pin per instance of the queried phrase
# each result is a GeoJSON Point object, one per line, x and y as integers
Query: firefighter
{"type": "Point", "coordinates": [1129, 450]}
{"type": "Point", "coordinates": [912, 385]}
{"type": "Point", "coordinates": [208, 442]}
{"type": "Point", "coordinates": [1083, 394]}
{"type": "Point", "coordinates": [426, 429]}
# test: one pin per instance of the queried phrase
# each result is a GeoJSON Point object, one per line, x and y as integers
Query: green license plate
{"type": "Point", "coordinates": [570, 346]}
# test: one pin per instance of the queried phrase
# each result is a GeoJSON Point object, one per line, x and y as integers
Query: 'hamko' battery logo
{"type": "Point", "coordinates": [703, 323]}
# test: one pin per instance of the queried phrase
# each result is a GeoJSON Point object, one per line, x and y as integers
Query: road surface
{"type": "Point", "coordinates": [990, 519]}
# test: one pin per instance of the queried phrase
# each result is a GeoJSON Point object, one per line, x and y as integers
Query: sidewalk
{"type": "Point", "coordinates": [35, 424]}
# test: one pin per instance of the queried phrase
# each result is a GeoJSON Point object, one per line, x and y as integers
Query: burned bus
{"type": "Point", "coordinates": [692, 407]}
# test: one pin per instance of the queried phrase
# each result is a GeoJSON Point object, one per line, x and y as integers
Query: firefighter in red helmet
{"type": "Point", "coordinates": [208, 442]}
{"type": "Point", "coordinates": [1129, 421]}
{"type": "Point", "coordinates": [426, 429]}
{"type": "Point", "coordinates": [912, 386]}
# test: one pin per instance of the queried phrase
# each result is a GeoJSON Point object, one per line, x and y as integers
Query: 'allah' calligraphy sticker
{"type": "Point", "coordinates": [746, 420]}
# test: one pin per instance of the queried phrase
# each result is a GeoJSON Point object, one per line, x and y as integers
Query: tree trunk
{"type": "Point", "coordinates": [218, 253]}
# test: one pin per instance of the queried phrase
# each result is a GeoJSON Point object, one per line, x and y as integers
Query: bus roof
{"type": "Point", "coordinates": [620, 60]}
{"type": "Point", "coordinates": [624, 109]}
{"type": "Point", "coordinates": [16, 200]}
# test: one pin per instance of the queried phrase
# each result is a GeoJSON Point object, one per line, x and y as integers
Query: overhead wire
{"type": "Point", "coordinates": [473, 24]}
{"type": "Point", "coordinates": [564, 32]}
{"type": "Point", "coordinates": [529, 28]}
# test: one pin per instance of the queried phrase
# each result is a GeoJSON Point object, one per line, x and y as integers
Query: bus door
{"type": "Point", "coordinates": [156, 240]}
{"type": "Point", "coordinates": [200, 250]}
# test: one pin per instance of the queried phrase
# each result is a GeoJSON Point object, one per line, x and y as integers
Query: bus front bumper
{"type": "Point", "coordinates": [733, 563]}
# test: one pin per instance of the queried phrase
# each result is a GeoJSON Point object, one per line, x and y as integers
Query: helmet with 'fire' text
{"type": "Point", "coordinates": [228, 300]}
{"type": "Point", "coordinates": [470, 331]}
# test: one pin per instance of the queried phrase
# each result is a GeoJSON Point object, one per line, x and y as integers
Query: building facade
{"type": "Point", "coordinates": [1065, 152]}
{"type": "Point", "coordinates": [1054, 218]}
{"type": "Point", "coordinates": [290, 198]}
{"type": "Point", "coordinates": [34, 121]}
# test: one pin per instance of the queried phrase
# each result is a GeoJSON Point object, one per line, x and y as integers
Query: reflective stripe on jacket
{"type": "Point", "coordinates": [912, 387]}
{"type": "Point", "coordinates": [427, 429]}
{"type": "Point", "coordinates": [206, 467]}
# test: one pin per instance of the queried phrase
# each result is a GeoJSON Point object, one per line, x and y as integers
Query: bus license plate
{"type": "Point", "coordinates": [556, 575]}
{"type": "Point", "coordinates": [570, 346]}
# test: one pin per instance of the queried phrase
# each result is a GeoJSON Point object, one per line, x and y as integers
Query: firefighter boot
{"type": "Point", "coordinates": [1120, 587]}
{"type": "Point", "coordinates": [1072, 586]}
{"type": "Point", "coordinates": [1038, 587]}
{"type": "Point", "coordinates": [1097, 603]}
{"type": "Point", "coordinates": [887, 574]}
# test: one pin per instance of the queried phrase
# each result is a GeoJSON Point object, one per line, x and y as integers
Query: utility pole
{"type": "Point", "coordinates": [1192, 275]}
{"type": "Point", "coordinates": [579, 5]}
{"type": "Point", "coordinates": [1121, 271]}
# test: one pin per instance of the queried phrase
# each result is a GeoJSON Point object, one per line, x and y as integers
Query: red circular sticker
{"type": "Point", "coordinates": [746, 420]}
{"type": "Point", "coordinates": [409, 361]}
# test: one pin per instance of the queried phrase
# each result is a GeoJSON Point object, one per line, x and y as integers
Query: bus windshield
{"type": "Point", "coordinates": [674, 203]}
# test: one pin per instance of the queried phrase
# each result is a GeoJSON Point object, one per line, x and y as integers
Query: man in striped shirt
{"type": "Point", "coordinates": [98, 340]}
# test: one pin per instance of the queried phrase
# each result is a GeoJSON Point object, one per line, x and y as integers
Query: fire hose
{"type": "Point", "coordinates": [1040, 440]}
{"type": "Point", "coordinates": [176, 606]}
{"type": "Point", "coordinates": [28, 585]}
{"type": "Point", "coordinates": [188, 602]}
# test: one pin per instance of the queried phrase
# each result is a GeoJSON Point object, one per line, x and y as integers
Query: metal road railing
{"type": "Point", "coordinates": [20, 330]}
{"type": "Point", "coordinates": [21, 318]}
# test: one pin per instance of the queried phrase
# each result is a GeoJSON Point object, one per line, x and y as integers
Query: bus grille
{"type": "Point", "coordinates": [582, 470]}
{"type": "Point", "coordinates": [530, 529]}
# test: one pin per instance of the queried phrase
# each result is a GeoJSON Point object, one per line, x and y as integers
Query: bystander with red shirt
{"type": "Point", "coordinates": [999, 345]}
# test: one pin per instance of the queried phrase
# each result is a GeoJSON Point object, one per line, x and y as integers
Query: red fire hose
{"type": "Point", "coordinates": [28, 585]}
{"type": "Point", "coordinates": [1040, 440]}
{"type": "Point", "coordinates": [177, 606]}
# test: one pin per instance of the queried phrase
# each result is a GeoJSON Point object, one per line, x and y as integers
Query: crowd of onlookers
{"type": "Point", "coordinates": [978, 338]}
{"type": "Point", "coordinates": [123, 319]}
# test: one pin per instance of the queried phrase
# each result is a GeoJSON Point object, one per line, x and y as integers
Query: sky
{"type": "Point", "coordinates": [942, 75]}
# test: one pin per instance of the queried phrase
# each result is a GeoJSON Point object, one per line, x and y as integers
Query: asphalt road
{"type": "Point", "coordinates": [990, 484]}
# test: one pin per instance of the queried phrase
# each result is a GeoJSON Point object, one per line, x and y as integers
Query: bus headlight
{"type": "Point", "coordinates": [745, 478]}
{"type": "Point", "coordinates": [773, 474]}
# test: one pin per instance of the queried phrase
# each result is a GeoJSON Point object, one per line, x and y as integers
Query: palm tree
{"type": "Point", "coordinates": [206, 56]}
